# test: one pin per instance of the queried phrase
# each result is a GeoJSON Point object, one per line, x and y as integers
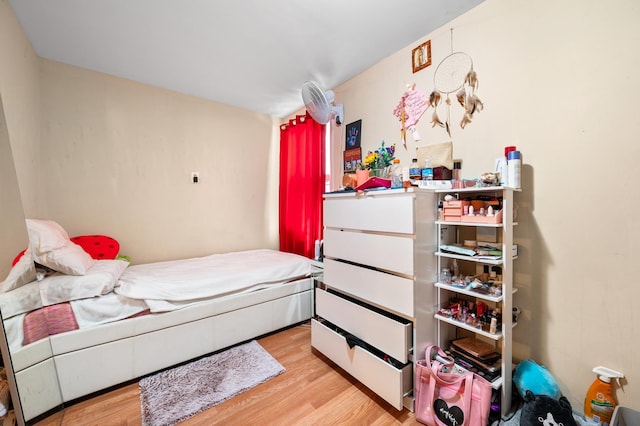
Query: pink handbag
{"type": "Point", "coordinates": [449, 399]}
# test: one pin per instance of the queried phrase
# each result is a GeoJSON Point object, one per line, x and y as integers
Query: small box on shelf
{"type": "Point", "coordinates": [454, 210]}
{"type": "Point", "coordinates": [455, 203]}
{"type": "Point", "coordinates": [477, 218]}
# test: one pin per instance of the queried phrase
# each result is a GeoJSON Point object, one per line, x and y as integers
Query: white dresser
{"type": "Point", "coordinates": [375, 306]}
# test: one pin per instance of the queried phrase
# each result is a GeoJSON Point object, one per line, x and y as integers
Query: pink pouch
{"type": "Point", "coordinates": [449, 399]}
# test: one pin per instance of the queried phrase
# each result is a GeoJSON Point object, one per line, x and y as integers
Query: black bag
{"type": "Point", "coordinates": [543, 410]}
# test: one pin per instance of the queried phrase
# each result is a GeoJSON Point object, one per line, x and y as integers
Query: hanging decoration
{"type": "Point", "coordinates": [410, 108]}
{"type": "Point", "coordinates": [455, 74]}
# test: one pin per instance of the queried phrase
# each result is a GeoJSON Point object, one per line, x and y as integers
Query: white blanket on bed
{"type": "Point", "coordinates": [104, 309]}
{"type": "Point", "coordinates": [209, 276]}
{"type": "Point", "coordinates": [21, 300]}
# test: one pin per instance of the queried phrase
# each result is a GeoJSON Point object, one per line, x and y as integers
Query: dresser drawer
{"type": "Point", "coordinates": [390, 383]}
{"type": "Point", "coordinates": [389, 252]}
{"type": "Point", "coordinates": [379, 288]}
{"type": "Point", "coordinates": [370, 213]}
{"type": "Point", "coordinates": [393, 336]}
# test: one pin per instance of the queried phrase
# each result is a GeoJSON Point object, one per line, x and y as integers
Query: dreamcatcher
{"type": "Point", "coordinates": [455, 74]}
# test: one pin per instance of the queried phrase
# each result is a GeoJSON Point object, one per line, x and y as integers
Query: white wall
{"type": "Point", "coordinates": [19, 92]}
{"type": "Point", "coordinates": [559, 81]}
{"type": "Point", "coordinates": [118, 157]}
{"type": "Point", "coordinates": [105, 155]}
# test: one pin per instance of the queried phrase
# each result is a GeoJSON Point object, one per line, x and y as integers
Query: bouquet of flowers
{"type": "Point", "coordinates": [381, 158]}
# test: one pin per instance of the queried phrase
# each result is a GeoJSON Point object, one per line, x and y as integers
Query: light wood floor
{"type": "Point", "coordinates": [312, 391]}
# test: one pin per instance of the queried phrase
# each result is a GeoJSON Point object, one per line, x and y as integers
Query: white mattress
{"type": "Point", "coordinates": [171, 285]}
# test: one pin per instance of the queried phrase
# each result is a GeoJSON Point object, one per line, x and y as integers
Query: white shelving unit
{"type": "Point", "coordinates": [450, 231]}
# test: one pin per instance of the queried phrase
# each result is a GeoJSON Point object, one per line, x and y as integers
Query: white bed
{"type": "Point", "coordinates": [190, 307]}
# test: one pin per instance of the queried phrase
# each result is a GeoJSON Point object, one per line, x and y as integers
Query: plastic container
{"type": "Point", "coordinates": [457, 169]}
{"type": "Point", "coordinates": [514, 165]}
{"type": "Point", "coordinates": [427, 170]}
{"type": "Point", "coordinates": [624, 416]}
{"type": "Point", "coordinates": [396, 174]}
{"type": "Point", "coordinates": [501, 169]}
{"type": "Point", "coordinates": [415, 173]}
{"type": "Point", "coordinates": [599, 403]}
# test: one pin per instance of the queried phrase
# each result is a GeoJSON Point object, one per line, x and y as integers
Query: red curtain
{"type": "Point", "coordinates": [302, 176]}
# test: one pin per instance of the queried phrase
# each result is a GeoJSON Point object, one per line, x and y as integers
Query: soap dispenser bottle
{"type": "Point", "coordinates": [599, 402]}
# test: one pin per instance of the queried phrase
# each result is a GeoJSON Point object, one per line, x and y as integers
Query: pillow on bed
{"type": "Point", "coordinates": [18, 257]}
{"type": "Point", "coordinates": [99, 247]}
{"type": "Point", "coordinates": [46, 235]}
{"type": "Point", "coordinates": [21, 273]}
{"type": "Point", "coordinates": [99, 279]}
{"type": "Point", "coordinates": [70, 260]}
{"type": "Point", "coordinates": [51, 247]}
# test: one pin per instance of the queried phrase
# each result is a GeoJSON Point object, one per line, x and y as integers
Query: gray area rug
{"type": "Point", "coordinates": [174, 395]}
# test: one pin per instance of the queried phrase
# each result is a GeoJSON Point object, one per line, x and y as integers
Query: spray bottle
{"type": "Point", "coordinates": [600, 402]}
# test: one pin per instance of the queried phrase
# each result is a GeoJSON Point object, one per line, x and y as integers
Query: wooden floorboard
{"type": "Point", "coordinates": [312, 391]}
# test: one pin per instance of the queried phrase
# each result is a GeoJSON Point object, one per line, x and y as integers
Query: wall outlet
{"type": "Point", "coordinates": [195, 177]}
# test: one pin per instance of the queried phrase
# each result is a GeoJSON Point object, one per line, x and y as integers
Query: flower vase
{"type": "Point", "coordinates": [361, 177]}
{"type": "Point", "coordinates": [382, 172]}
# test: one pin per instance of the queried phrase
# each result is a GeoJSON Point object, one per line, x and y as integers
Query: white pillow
{"type": "Point", "coordinates": [23, 272]}
{"type": "Point", "coordinates": [99, 279]}
{"type": "Point", "coordinates": [46, 235]}
{"type": "Point", "coordinates": [51, 247]}
{"type": "Point", "coordinates": [70, 259]}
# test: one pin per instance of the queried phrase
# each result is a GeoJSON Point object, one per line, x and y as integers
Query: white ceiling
{"type": "Point", "coordinates": [253, 54]}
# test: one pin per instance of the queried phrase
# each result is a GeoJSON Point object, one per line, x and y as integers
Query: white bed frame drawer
{"type": "Point", "coordinates": [81, 372]}
{"type": "Point", "coordinates": [383, 214]}
{"type": "Point", "coordinates": [393, 337]}
{"type": "Point", "coordinates": [379, 288]}
{"type": "Point", "coordinates": [382, 378]}
{"type": "Point", "coordinates": [37, 395]}
{"type": "Point", "coordinates": [392, 253]}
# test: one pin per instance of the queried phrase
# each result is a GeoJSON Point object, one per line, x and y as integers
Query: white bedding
{"type": "Point", "coordinates": [104, 309]}
{"type": "Point", "coordinates": [174, 284]}
{"type": "Point", "coordinates": [21, 300]}
{"type": "Point", "coordinates": [157, 287]}
{"type": "Point", "coordinates": [99, 280]}
{"type": "Point", "coordinates": [59, 288]}
{"type": "Point", "coordinates": [13, 331]}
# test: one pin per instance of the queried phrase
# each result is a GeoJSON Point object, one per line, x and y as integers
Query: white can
{"type": "Point", "coordinates": [514, 167]}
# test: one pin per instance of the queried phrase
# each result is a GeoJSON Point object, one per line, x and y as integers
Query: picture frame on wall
{"type": "Point", "coordinates": [421, 56]}
{"type": "Point", "coordinates": [353, 134]}
{"type": "Point", "coordinates": [352, 159]}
